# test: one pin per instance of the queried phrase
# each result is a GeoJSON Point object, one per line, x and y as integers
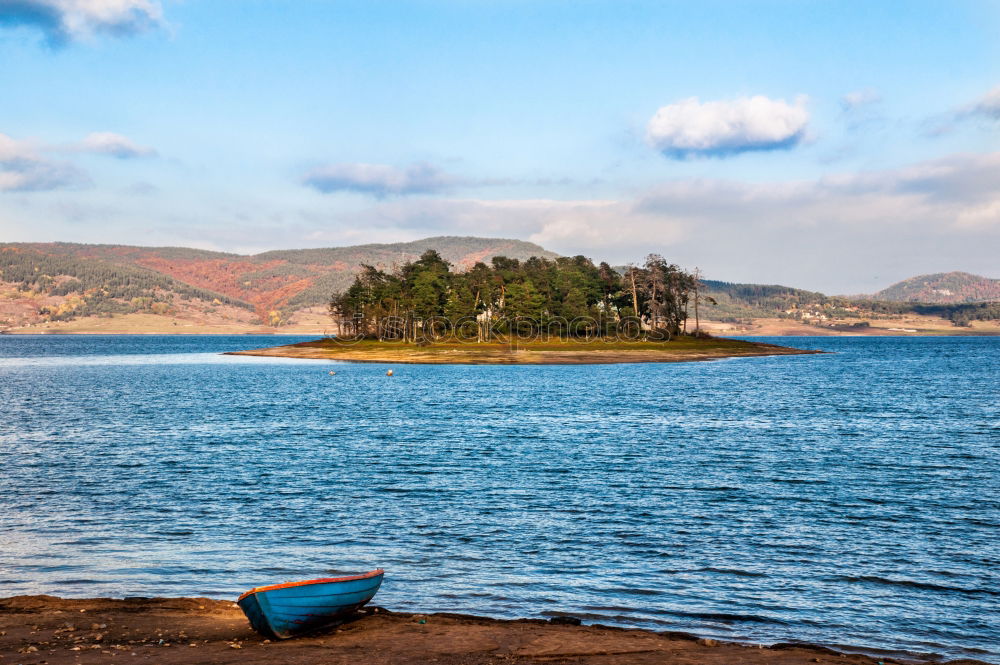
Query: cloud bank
{"type": "Point", "coordinates": [939, 196]}
{"type": "Point", "coordinates": [63, 21]}
{"type": "Point", "coordinates": [846, 233]}
{"type": "Point", "coordinates": [23, 169]}
{"type": "Point", "coordinates": [690, 128]}
{"type": "Point", "coordinates": [843, 233]}
{"type": "Point", "coordinates": [379, 180]}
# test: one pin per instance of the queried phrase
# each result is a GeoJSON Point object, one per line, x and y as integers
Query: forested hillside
{"type": "Point", "coordinates": [943, 288]}
{"type": "Point", "coordinates": [93, 287]}
{"type": "Point", "coordinates": [742, 302]}
{"type": "Point", "coordinates": [105, 279]}
{"type": "Point", "coordinates": [728, 300]}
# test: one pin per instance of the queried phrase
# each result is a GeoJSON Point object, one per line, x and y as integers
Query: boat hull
{"type": "Point", "coordinates": [286, 610]}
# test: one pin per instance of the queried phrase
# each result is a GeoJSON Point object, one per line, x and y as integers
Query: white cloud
{"type": "Point", "coordinates": [26, 165]}
{"type": "Point", "coordinates": [23, 169]}
{"type": "Point", "coordinates": [985, 108]}
{"type": "Point", "coordinates": [690, 128]}
{"type": "Point", "coordinates": [981, 216]}
{"type": "Point", "coordinates": [379, 180]}
{"type": "Point", "coordinates": [859, 98]}
{"type": "Point", "coordinates": [116, 145]}
{"type": "Point", "coordinates": [68, 20]}
{"type": "Point", "coordinates": [988, 105]}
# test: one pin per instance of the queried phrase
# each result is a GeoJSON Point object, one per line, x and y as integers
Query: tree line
{"type": "Point", "coordinates": [565, 297]}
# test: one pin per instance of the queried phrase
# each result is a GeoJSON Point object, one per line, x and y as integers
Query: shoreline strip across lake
{"type": "Point", "coordinates": [61, 631]}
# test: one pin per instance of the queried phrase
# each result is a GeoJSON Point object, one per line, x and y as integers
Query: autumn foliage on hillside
{"type": "Point", "coordinates": [274, 284]}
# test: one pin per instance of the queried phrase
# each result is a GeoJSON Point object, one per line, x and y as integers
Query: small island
{"type": "Point", "coordinates": [537, 312]}
{"type": "Point", "coordinates": [550, 352]}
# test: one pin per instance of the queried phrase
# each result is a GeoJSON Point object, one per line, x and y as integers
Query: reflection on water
{"type": "Point", "coordinates": [847, 498]}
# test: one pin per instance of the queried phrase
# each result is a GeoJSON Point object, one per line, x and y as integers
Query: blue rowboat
{"type": "Point", "coordinates": [285, 610]}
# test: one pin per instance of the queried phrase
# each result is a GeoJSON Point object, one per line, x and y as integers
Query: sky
{"type": "Point", "coordinates": [837, 146]}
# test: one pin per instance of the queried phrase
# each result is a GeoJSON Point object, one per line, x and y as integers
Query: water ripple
{"type": "Point", "coordinates": [841, 499]}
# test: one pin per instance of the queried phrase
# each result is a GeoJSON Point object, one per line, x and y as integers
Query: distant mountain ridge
{"type": "Point", "coordinates": [942, 288]}
{"type": "Point", "coordinates": [62, 281]}
{"type": "Point", "coordinates": [272, 283]}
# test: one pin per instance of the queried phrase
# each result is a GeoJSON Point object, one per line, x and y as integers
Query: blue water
{"type": "Point", "coordinates": [846, 499]}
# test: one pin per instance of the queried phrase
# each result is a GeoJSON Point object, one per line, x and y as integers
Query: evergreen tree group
{"type": "Point", "coordinates": [563, 297]}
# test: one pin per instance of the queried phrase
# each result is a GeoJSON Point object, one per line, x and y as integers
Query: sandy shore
{"type": "Point", "coordinates": [902, 326]}
{"type": "Point", "coordinates": [37, 630]}
{"type": "Point", "coordinates": [538, 354]}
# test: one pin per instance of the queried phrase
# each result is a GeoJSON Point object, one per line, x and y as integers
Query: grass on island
{"type": "Point", "coordinates": [677, 344]}
{"type": "Point", "coordinates": [543, 351]}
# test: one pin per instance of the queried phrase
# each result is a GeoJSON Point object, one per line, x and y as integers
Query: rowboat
{"type": "Point", "coordinates": [285, 610]}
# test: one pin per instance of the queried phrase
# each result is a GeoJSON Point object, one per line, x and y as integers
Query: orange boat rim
{"type": "Point", "coordinates": [323, 580]}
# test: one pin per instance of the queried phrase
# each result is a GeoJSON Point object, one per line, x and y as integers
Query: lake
{"type": "Point", "coordinates": [848, 499]}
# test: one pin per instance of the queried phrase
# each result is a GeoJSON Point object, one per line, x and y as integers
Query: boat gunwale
{"type": "Point", "coordinates": [285, 597]}
{"type": "Point", "coordinates": [322, 580]}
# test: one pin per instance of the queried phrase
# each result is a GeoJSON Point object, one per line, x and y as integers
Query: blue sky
{"type": "Point", "coordinates": [837, 146]}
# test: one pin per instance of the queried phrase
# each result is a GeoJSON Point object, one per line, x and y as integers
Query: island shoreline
{"type": "Point", "coordinates": [555, 353]}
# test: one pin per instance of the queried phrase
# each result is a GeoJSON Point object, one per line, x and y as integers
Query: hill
{"type": "Point", "coordinates": [755, 300]}
{"type": "Point", "coordinates": [60, 281]}
{"type": "Point", "coordinates": [942, 288]}
{"type": "Point", "coordinates": [744, 303]}
{"type": "Point", "coordinates": [57, 283]}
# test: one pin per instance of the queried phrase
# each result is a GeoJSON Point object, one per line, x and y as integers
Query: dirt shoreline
{"type": "Point", "coordinates": [496, 354]}
{"type": "Point", "coordinates": [45, 630]}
